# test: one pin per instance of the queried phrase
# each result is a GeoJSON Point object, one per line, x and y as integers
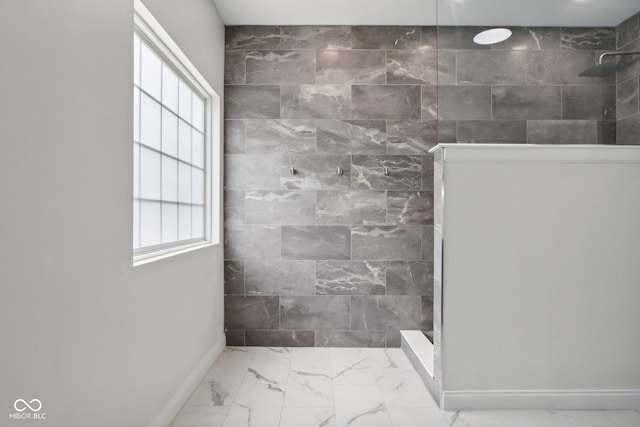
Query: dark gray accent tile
{"type": "Point", "coordinates": [254, 171]}
{"type": "Point", "coordinates": [606, 132]}
{"type": "Point", "coordinates": [410, 278]}
{"type": "Point", "coordinates": [281, 67]}
{"type": "Point", "coordinates": [560, 67]}
{"type": "Point", "coordinates": [392, 339]}
{"type": "Point", "coordinates": [627, 98]}
{"type": "Point", "coordinates": [411, 136]}
{"type": "Point", "coordinates": [459, 37]}
{"type": "Point", "coordinates": [235, 337]}
{"type": "Point", "coordinates": [447, 131]}
{"type": "Point", "coordinates": [385, 102]}
{"type": "Point", "coordinates": [386, 243]}
{"type": "Point", "coordinates": [352, 136]}
{"type": "Point", "coordinates": [349, 338]}
{"type": "Point", "coordinates": [315, 313]}
{"type": "Point", "coordinates": [317, 172]}
{"type": "Point", "coordinates": [426, 316]}
{"type": "Point", "coordinates": [492, 131]}
{"type": "Point", "coordinates": [234, 67]}
{"type": "Point", "coordinates": [427, 172]}
{"type": "Point", "coordinates": [234, 213]}
{"type": "Point", "coordinates": [630, 65]}
{"type": "Point", "coordinates": [587, 38]}
{"type": "Point", "coordinates": [350, 67]}
{"type": "Point", "coordinates": [252, 37]}
{"type": "Point", "coordinates": [628, 30]}
{"type": "Point", "coordinates": [385, 37]}
{"type": "Point", "coordinates": [281, 136]}
{"type": "Point", "coordinates": [588, 102]}
{"type": "Point", "coordinates": [427, 243]}
{"type": "Point", "coordinates": [286, 207]}
{"type": "Point", "coordinates": [251, 312]}
{"type": "Point", "coordinates": [234, 137]}
{"type": "Point", "coordinates": [234, 277]}
{"type": "Point", "coordinates": [368, 172]}
{"type": "Point", "coordinates": [251, 242]}
{"type": "Point", "coordinates": [279, 277]}
{"type": "Point", "coordinates": [350, 278]}
{"type": "Point", "coordinates": [531, 38]}
{"type": "Point", "coordinates": [562, 132]}
{"type": "Point", "coordinates": [492, 67]}
{"type": "Point", "coordinates": [628, 130]}
{"type": "Point", "coordinates": [251, 102]}
{"type": "Point", "coordinates": [410, 207]}
{"type": "Point", "coordinates": [526, 102]}
{"type": "Point", "coordinates": [429, 38]}
{"type": "Point", "coordinates": [464, 102]}
{"type": "Point", "coordinates": [316, 243]}
{"type": "Point", "coordinates": [429, 102]}
{"type": "Point", "coordinates": [412, 67]}
{"type": "Point", "coordinates": [385, 312]}
{"type": "Point", "coordinates": [446, 67]}
{"type": "Point", "coordinates": [315, 37]}
{"type": "Point", "coordinates": [267, 338]}
{"type": "Point", "coordinates": [351, 207]}
{"type": "Point", "coordinates": [316, 102]}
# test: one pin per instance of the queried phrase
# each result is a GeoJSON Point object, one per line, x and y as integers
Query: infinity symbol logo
{"type": "Point", "coordinates": [26, 405]}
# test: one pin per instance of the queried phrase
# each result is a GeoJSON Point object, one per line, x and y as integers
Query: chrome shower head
{"type": "Point", "coordinates": [604, 70]}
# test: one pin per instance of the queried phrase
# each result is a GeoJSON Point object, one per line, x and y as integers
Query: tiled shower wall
{"type": "Point", "coordinates": [628, 82]}
{"type": "Point", "coordinates": [340, 254]}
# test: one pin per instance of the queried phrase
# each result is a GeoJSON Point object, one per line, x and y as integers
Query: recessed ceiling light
{"type": "Point", "coordinates": [492, 36]}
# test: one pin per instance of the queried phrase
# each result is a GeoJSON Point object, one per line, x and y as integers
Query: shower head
{"type": "Point", "coordinates": [604, 70]}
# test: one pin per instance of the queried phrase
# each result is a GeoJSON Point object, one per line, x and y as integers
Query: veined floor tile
{"type": "Point", "coordinates": [412, 417]}
{"type": "Point", "coordinates": [387, 358]}
{"type": "Point", "coordinates": [402, 387]}
{"type": "Point", "coordinates": [542, 418]}
{"type": "Point", "coordinates": [360, 406]}
{"type": "Point", "coordinates": [310, 357]}
{"type": "Point", "coordinates": [255, 406]}
{"type": "Point", "coordinates": [351, 366]}
{"type": "Point", "coordinates": [309, 387]}
{"type": "Point", "coordinates": [270, 370]}
{"type": "Point", "coordinates": [308, 417]}
{"type": "Point", "coordinates": [200, 416]}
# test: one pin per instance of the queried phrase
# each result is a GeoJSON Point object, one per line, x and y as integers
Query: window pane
{"type": "Point", "coordinates": [184, 220]}
{"type": "Point", "coordinates": [136, 115]}
{"type": "Point", "coordinates": [151, 72]}
{"type": "Point", "coordinates": [150, 122]}
{"type": "Point", "coordinates": [169, 133]}
{"type": "Point", "coordinates": [169, 179]}
{"type": "Point", "coordinates": [149, 223]}
{"type": "Point", "coordinates": [136, 170]}
{"type": "Point", "coordinates": [197, 149]}
{"type": "Point", "coordinates": [184, 183]}
{"type": "Point", "coordinates": [149, 174]}
{"type": "Point", "coordinates": [136, 224]}
{"type": "Point", "coordinates": [136, 60]}
{"type": "Point", "coordinates": [197, 185]}
{"type": "Point", "coordinates": [184, 109]}
{"type": "Point", "coordinates": [197, 222]}
{"type": "Point", "coordinates": [169, 89]}
{"type": "Point", "coordinates": [198, 113]}
{"type": "Point", "coordinates": [169, 222]}
{"type": "Point", "coordinates": [184, 142]}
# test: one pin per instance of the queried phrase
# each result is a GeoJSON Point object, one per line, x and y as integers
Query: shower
{"type": "Point", "coordinates": [604, 70]}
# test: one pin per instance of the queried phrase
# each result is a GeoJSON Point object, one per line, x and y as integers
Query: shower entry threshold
{"type": "Point", "coordinates": [420, 352]}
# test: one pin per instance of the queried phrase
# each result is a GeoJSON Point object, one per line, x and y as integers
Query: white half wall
{"type": "Point", "coordinates": [97, 341]}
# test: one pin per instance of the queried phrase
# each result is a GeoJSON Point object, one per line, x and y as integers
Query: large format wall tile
{"type": "Point", "coordinates": [560, 67]}
{"type": "Point", "coordinates": [251, 102]}
{"type": "Point", "coordinates": [531, 38]}
{"type": "Point", "coordinates": [280, 277]}
{"type": "Point", "coordinates": [412, 67]}
{"type": "Point", "coordinates": [315, 37]}
{"type": "Point", "coordinates": [321, 242]}
{"type": "Point", "coordinates": [349, 338]}
{"type": "Point", "coordinates": [385, 312]}
{"type": "Point", "coordinates": [234, 213]}
{"type": "Point", "coordinates": [280, 136]}
{"type": "Point", "coordinates": [459, 37]}
{"type": "Point", "coordinates": [234, 67]}
{"type": "Point", "coordinates": [492, 131]}
{"type": "Point", "coordinates": [386, 243]}
{"type": "Point", "coordinates": [316, 102]}
{"type": "Point", "coordinates": [411, 136]}
{"type": "Point", "coordinates": [628, 130]}
{"type": "Point", "coordinates": [234, 136]}
{"type": "Point", "coordinates": [315, 313]}
{"type": "Point", "coordinates": [410, 278]}
{"type": "Point", "coordinates": [271, 338]}
{"type": "Point", "coordinates": [526, 102]}
{"type": "Point", "coordinates": [251, 242]}
{"type": "Point", "coordinates": [493, 67]}
{"type": "Point", "coordinates": [350, 67]}
{"type": "Point", "coordinates": [589, 102]}
{"type": "Point", "coordinates": [254, 171]}
{"type": "Point", "coordinates": [280, 66]}
{"type": "Point", "coordinates": [317, 172]}
{"type": "Point", "coordinates": [385, 102]}
{"type": "Point", "coordinates": [464, 102]}
{"type": "Point", "coordinates": [350, 278]}
{"type": "Point", "coordinates": [368, 172]}
{"type": "Point", "coordinates": [352, 136]}
{"type": "Point", "coordinates": [410, 207]}
{"type": "Point", "coordinates": [234, 278]}
{"type": "Point", "coordinates": [580, 38]}
{"type": "Point", "coordinates": [391, 37]}
{"type": "Point", "coordinates": [252, 37]}
{"type": "Point", "coordinates": [628, 30]}
{"type": "Point", "coordinates": [562, 132]}
{"type": "Point", "coordinates": [628, 98]}
{"type": "Point", "coordinates": [351, 207]}
{"type": "Point", "coordinates": [280, 207]}
{"type": "Point", "coordinates": [251, 312]}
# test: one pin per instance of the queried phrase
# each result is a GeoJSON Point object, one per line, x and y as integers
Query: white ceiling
{"type": "Point", "coordinates": [605, 13]}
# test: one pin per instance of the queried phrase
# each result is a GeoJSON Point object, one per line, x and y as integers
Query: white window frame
{"type": "Point", "coordinates": [149, 30]}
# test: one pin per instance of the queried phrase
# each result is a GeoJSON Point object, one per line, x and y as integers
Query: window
{"type": "Point", "coordinates": [172, 145]}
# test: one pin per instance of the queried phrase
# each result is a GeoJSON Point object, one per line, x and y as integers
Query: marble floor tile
{"type": "Point", "coordinates": [358, 405]}
{"type": "Point", "coordinates": [308, 417]}
{"type": "Point", "coordinates": [268, 371]}
{"type": "Point", "coordinates": [402, 387]}
{"type": "Point", "coordinates": [255, 406]}
{"type": "Point", "coordinates": [310, 357]}
{"type": "Point", "coordinates": [309, 387]}
{"type": "Point", "coordinates": [411, 417]}
{"type": "Point", "coordinates": [200, 416]}
{"type": "Point", "coordinates": [351, 366]}
{"type": "Point", "coordinates": [387, 358]}
{"type": "Point", "coordinates": [542, 418]}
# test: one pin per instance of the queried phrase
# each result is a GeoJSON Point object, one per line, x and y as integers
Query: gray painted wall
{"type": "Point", "coordinates": [99, 342]}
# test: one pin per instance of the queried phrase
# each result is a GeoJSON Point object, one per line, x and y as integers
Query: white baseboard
{"type": "Point", "coordinates": [552, 399]}
{"type": "Point", "coordinates": [171, 409]}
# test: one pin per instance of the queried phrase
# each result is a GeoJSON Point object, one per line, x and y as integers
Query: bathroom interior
{"type": "Point", "coordinates": [512, 303]}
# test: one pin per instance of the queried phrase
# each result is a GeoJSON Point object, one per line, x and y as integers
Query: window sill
{"type": "Point", "coordinates": [168, 253]}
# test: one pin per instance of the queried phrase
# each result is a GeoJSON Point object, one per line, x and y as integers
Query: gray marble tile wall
{"type": "Point", "coordinates": [628, 82]}
{"type": "Point", "coordinates": [321, 258]}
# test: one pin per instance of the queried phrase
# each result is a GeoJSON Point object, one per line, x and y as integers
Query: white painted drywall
{"type": "Point", "coordinates": [541, 276]}
{"type": "Point", "coordinates": [99, 342]}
